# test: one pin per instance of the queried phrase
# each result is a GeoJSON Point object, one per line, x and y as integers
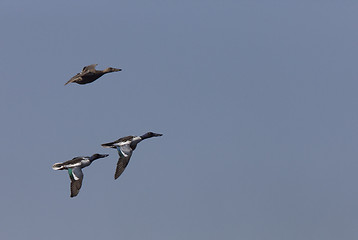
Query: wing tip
{"type": "Point", "coordinates": [68, 82]}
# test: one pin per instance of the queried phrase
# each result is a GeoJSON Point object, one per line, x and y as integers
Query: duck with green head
{"type": "Point", "coordinates": [74, 168]}
{"type": "Point", "coordinates": [125, 147]}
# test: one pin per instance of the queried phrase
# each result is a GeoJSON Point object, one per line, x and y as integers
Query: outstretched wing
{"type": "Point", "coordinates": [125, 153]}
{"type": "Point", "coordinates": [89, 68]}
{"type": "Point", "coordinates": [86, 71]}
{"type": "Point", "coordinates": [77, 77]}
{"type": "Point", "coordinates": [76, 177]}
{"type": "Point", "coordinates": [121, 165]}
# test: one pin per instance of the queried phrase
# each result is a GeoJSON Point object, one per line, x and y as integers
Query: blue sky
{"type": "Point", "coordinates": [257, 102]}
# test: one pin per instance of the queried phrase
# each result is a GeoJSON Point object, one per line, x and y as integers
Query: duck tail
{"type": "Point", "coordinates": [107, 145]}
{"type": "Point", "coordinates": [58, 166]}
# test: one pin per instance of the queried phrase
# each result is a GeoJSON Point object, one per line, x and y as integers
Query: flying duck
{"type": "Point", "coordinates": [125, 146]}
{"type": "Point", "coordinates": [90, 74]}
{"type": "Point", "coordinates": [74, 168]}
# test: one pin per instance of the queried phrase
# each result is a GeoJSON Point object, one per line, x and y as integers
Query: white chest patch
{"type": "Point", "coordinates": [123, 143]}
{"type": "Point", "coordinates": [85, 162]}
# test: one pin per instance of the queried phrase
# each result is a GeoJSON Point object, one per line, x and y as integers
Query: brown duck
{"type": "Point", "coordinates": [90, 74]}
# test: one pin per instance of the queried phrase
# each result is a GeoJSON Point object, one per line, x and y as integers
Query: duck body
{"type": "Point", "coordinates": [74, 168]}
{"type": "Point", "coordinates": [90, 74]}
{"type": "Point", "coordinates": [125, 147]}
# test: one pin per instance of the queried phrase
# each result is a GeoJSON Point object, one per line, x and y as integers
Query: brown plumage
{"type": "Point", "coordinates": [75, 186]}
{"type": "Point", "coordinates": [121, 165]}
{"type": "Point", "coordinates": [90, 74]}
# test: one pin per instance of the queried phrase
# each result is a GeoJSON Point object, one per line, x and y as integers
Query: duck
{"type": "Point", "coordinates": [125, 147]}
{"type": "Point", "coordinates": [74, 168]}
{"type": "Point", "coordinates": [90, 74]}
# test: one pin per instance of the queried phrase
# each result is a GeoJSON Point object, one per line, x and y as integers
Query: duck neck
{"type": "Point", "coordinates": [92, 158]}
{"type": "Point", "coordinates": [145, 136]}
{"type": "Point", "coordinates": [107, 70]}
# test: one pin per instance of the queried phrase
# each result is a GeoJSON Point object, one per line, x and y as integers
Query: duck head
{"type": "Point", "coordinates": [110, 69]}
{"type": "Point", "coordinates": [97, 156]}
{"type": "Point", "coordinates": [150, 134]}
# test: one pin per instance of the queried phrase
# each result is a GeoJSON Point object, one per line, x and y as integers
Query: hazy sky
{"type": "Point", "coordinates": [257, 101]}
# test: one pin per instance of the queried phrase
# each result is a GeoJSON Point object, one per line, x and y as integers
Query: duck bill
{"type": "Point", "coordinates": [117, 69]}
{"type": "Point", "coordinates": [157, 134]}
{"type": "Point", "coordinates": [103, 155]}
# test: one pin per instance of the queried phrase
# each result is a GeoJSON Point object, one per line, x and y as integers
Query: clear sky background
{"type": "Point", "coordinates": [257, 101]}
